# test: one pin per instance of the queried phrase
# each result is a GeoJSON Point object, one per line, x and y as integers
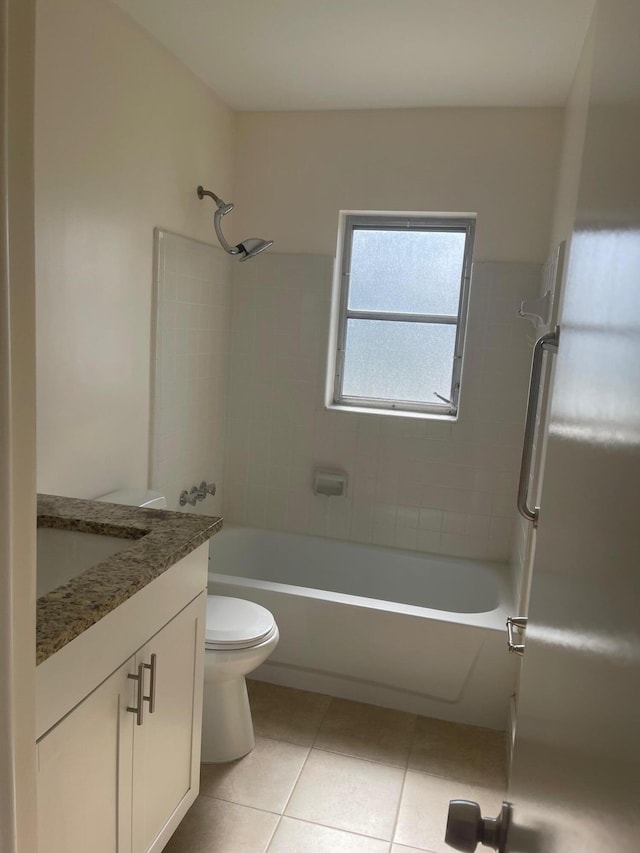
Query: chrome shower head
{"type": "Point", "coordinates": [248, 248]}
{"type": "Point", "coordinates": [252, 247]}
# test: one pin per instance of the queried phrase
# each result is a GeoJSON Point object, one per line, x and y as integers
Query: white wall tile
{"type": "Point", "coordinates": [430, 519]}
{"type": "Point", "coordinates": [429, 540]}
{"type": "Point", "coordinates": [361, 522]}
{"type": "Point", "coordinates": [408, 516]}
{"type": "Point", "coordinates": [450, 484]}
{"type": "Point", "coordinates": [406, 537]}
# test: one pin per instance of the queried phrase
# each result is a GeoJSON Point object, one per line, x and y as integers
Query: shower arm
{"type": "Point", "coordinates": [217, 216]}
{"type": "Point", "coordinates": [202, 193]}
{"type": "Point", "coordinates": [222, 208]}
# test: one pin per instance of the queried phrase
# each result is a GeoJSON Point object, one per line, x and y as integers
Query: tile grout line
{"type": "Point", "coordinates": [360, 757]}
{"type": "Point", "coordinates": [240, 805]}
{"type": "Point", "coordinates": [322, 719]}
{"type": "Point", "coordinates": [412, 741]}
{"type": "Point", "coordinates": [273, 835]}
{"type": "Point", "coordinates": [297, 779]}
{"type": "Point", "coordinates": [337, 828]}
{"type": "Point", "coordinates": [397, 816]}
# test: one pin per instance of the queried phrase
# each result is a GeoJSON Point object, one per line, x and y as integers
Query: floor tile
{"type": "Point", "coordinates": [347, 793]}
{"type": "Point", "coordinates": [467, 753]}
{"type": "Point", "coordinates": [425, 802]}
{"type": "Point", "coordinates": [294, 836]}
{"type": "Point", "coordinates": [263, 779]}
{"type": "Point", "coordinates": [366, 731]}
{"type": "Point", "coordinates": [213, 825]}
{"type": "Point", "coordinates": [286, 714]}
{"type": "Point", "coordinates": [400, 848]}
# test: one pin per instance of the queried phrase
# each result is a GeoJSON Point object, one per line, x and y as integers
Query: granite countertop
{"type": "Point", "coordinates": [159, 539]}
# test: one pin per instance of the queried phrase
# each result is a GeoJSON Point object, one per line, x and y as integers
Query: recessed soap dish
{"type": "Point", "coordinates": [332, 484]}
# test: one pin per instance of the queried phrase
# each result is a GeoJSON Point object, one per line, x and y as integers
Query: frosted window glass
{"type": "Point", "coordinates": [414, 272]}
{"type": "Point", "coordinates": [398, 361]}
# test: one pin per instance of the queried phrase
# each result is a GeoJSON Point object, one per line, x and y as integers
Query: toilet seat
{"type": "Point", "coordinates": [233, 623]}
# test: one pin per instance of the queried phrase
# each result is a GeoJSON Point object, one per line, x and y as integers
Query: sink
{"type": "Point", "coordinates": [65, 554]}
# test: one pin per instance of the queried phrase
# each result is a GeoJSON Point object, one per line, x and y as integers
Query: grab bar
{"type": "Point", "coordinates": [547, 343]}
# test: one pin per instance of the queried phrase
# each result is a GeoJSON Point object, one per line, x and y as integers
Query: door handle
{"type": "Point", "coordinates": [516, 623]}
{"type": "Point", "coordinates": [547, 343]}
{"type": "Point", "coordinates": [466, 828]}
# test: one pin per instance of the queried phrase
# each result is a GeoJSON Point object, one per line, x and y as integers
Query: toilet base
{"type": "Point", "coordinates": [227, 729]}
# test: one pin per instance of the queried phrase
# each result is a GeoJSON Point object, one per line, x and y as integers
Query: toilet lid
{"type": "Point", "coordinates": [236, 623]}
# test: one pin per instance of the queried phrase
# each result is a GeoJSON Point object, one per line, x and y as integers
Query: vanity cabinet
{"type": "Point", "coordinates": [110, 780]}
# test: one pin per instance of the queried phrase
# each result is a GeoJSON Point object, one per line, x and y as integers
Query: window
{"type": "Point", "coordinates": [400, 309]}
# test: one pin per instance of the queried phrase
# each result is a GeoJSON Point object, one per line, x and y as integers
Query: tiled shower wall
{"type": "Point", "coordinates": [192, 302]}
{"type": "Point", "coordinates": [420, 484]}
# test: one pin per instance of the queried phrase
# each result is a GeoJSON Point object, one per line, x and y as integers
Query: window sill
{"type": "Point", "coordinates": [393, 413]}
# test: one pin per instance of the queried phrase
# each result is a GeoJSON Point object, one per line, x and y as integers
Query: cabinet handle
{"type": "Point", "coordinates": [139, 710]}
{"type": "Point", "coordinates": [151, 698]}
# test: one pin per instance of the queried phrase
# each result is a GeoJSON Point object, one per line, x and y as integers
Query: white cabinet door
{"type": "Point", "coordinates": [166, 747]}
{"type": "Point", "coordinates": [84, 773]}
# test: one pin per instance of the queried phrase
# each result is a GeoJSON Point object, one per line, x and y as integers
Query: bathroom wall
{"type": "Point", "coordinates": [296, 170]}
{"type": "Point", "coordinates": [192, 312]}
{"type": "Point", "coordinates": [124, 134]}
{"type": "Point", "coordinates": [427, 485]}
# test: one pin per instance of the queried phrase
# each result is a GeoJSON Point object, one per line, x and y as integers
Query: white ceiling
{"type": "Point", "coordinates": [358, 54]}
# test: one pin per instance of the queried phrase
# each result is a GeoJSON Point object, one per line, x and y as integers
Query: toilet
{"type": "Point", "coordinates": [240, 635]}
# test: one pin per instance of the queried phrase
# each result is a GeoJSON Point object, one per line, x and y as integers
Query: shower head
{"type": "Point", "coordinates": [248, 248]}
{"type": "Point", "coordinates": [252, 247]}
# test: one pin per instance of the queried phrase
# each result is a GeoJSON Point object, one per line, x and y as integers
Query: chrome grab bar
{"type": "Point", "coordinates": [547, 343]}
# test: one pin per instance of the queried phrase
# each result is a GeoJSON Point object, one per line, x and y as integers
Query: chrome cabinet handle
{"type": "Point", "coordinates": [151, 698]}
{"type": "Point", "coordinates": [516, 623]}
{"type": "Point", "coordinates": [547, 343]}
{"type": "Point", "coordinates": [139, 709]}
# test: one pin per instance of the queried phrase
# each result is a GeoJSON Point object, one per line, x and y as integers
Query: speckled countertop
{"type": "Point", "coordinates": [159, 539]}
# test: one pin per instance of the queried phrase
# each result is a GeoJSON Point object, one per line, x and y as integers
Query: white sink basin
{"type": "Point", "coordinates": [65, 554]}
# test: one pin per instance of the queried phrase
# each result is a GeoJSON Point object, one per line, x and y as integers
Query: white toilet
{"type": "Point", "coordinates": [240, 635]}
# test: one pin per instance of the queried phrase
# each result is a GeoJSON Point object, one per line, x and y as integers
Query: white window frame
{"type": "Point", "coordinates": [341, 313]}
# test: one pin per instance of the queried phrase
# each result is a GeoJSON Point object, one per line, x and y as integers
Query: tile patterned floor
{"type": "Point", "coordinates": [332, 776]}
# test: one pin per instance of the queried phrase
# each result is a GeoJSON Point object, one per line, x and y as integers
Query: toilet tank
{"type": "Point", "coordinates": [135, 497]}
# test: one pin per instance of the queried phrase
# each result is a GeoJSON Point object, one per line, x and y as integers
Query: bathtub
{"type": "Point", "coordinates": [417, 632]}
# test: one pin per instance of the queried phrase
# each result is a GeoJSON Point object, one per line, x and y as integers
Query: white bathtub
{"type": "Point", "coordinates": [417, 632]}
